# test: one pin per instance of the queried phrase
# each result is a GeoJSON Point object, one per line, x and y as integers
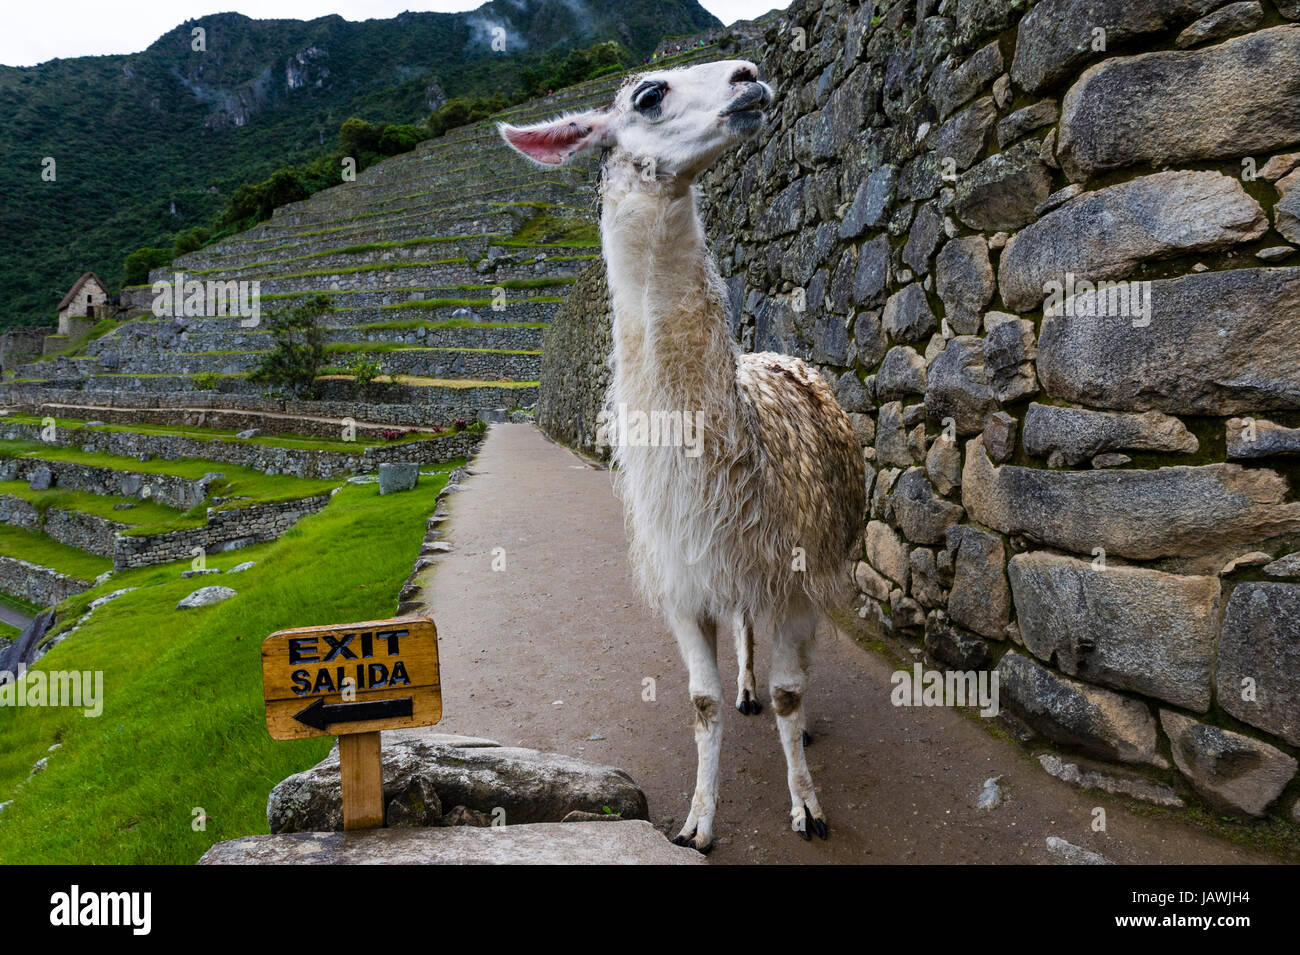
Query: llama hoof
{"type": "Point", "coordinates": [807, 738]}
{"type": "Point", "coordinates": [748, 707]}
{"type": "Point", "coordinates": [808, 824]}
{"type": "Point", "coordinates": [690, 844]}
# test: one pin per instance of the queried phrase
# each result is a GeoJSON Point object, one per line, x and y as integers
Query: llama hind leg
{"type": "Point", "coordinates": [698, 641]}
{"type": "Point", "coordinates": [792, 640]}
{"type": "Point", "coordinates": [746, 689]}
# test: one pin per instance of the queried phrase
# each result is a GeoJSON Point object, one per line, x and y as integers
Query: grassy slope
{"type": "Point", "coordinates": [38, 549]}
{"type": "Point", "coordinates": [183, 721]}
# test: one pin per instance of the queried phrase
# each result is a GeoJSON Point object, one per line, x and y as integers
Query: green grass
{"type": "Point", "coordinates": [67, 499]}
{"type": "Point", "coordinates": [183, 725]}
{"type": "Point", "coordinates": [239, 481]}
{"type": "Point", "coordinates": [39, 549]}
{"type": "Point", "coordinates": [414, 323]}
{"type": "Point", "coordinates": [18, 603]}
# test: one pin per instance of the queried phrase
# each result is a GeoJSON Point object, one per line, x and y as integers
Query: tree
{"type": "Point", "coordinates": [298, 354]}
{"type": "Point", "coordinates": [400, 139]}
{"type": "Point", "coordinates": [139, 263]}
{"type": "Point", "coordinates": [359, 138]}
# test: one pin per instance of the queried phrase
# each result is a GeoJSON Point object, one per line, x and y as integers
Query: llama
{"type": "Point", "coordinates": [757, 522]}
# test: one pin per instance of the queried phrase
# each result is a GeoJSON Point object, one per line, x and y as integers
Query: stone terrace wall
{"type": "Point", "coordinates": [167, 489]}
{"type": "Point", "coordinates": [1097, 500]}
{"type": "Point", "coordinates": [574, 364]}
{"type": "Point", "coordinates": [39, 585]}
{"type": "Point", "coordinates": [298, 462]}
{"type": "Point", "coordinates": [225, 530]}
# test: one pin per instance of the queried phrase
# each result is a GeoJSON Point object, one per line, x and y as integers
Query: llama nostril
{"type": "Point", "coordinates": [743, 75]}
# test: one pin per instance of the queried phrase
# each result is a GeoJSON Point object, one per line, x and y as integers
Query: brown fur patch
{"type": "Point", "coordinates": [786, 702]}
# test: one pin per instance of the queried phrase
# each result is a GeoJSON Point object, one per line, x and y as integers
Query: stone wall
{"type": "Point", "coordinates": [296, 462]}
{"type": "Point", "coordinates": [35, 584]}
{"type": "Point", "coordinates": [166, 489]}
{"type": "Point", "coordinates": [224, 530]}
{"type": "Point", "coordinates": [1090, 487]}
{"type": "Point", "coordinates": [574, 364]}
{"type": "Point", "coordinates": [21, 344]}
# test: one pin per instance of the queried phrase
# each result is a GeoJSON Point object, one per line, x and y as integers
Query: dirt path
{"type": "Point", "coordinates": [552, 652]}
{"type": "Point", "coordinates": [12, 617]}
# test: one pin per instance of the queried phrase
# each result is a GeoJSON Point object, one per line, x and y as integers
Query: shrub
{"type": "Point", "coordinates": [207, 380]}
{"type": "Point", "coordinates": [363, 371]}
{"type": "Point", "coordinates": [298, 354]}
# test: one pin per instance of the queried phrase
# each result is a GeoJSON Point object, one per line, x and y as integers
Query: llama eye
{"type": "Point", "coordinates": [648, 98]}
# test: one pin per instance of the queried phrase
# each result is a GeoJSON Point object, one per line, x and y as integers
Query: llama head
{"type": "Point", "coordinates": [673, 123]}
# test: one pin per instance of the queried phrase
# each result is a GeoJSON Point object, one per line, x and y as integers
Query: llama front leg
{"type": "Point", "coordinates": [746, 689]}
{"type": "Point", "coordinates": [792, 640]}
{"type": "Point", "coordinates": [697, 638]}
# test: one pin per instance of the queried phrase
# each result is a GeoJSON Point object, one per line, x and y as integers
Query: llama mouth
{"type": "Point", "coordinates": [752, 99]}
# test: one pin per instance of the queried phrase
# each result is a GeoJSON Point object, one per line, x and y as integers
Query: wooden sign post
{"type": "Point", "coordinates": [351, 681]}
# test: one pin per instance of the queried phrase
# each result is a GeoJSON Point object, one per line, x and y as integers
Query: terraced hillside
{"type": "Point", "coordinates": [445, 265]}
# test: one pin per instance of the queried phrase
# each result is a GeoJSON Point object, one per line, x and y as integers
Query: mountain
{"type": "Point", "coordinates": [146, 144]}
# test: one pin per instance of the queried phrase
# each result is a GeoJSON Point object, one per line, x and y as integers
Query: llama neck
{"type": "Point", "coordinates": [672, 348]}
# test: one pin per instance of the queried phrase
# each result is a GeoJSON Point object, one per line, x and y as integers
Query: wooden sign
{"type": "Point", "coordinates": [352, 681]}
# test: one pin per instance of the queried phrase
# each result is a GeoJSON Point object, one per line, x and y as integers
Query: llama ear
{"type": "Point", "coordinates": [559, 140]}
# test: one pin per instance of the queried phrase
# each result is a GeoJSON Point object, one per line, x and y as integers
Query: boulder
{"type": "Point", "coordinates": [1130, 628]}
{"type": "Point", "coordinates": [1075, 714]}
{"type": "Point", "coordinates": [954, 82]}
{"type": "Point", "coordinates": [1027, 119]}
{"type": "Point", "coordinates": [1288, 566]}
{"type": "Point", "coordinates": [559, 843]}
{"type": "Point", "coordinates": [964, 280]}
{"type": "Point", "coordinates": [1232, 772]}
{"type": "Point", "coordinates": [922, 515]}
{"type": "Point", "coordinates": [41, 479]}
{"type": "Point", "coordinates": [957, 385]}
{"type": "Point", "coordinates": [396, 476]}
{"type": "Point", "coordinates": [887, 552]}
{"type": "Point", "coordinates": [954, 647]}
{"type": "Point", "coordinates": [1139, 514]}
{"type": "Point", "coordinates": [1258, 677]}
{"type": "Point", "coordinates": [1106, 234]}
{"type": "Point", "coordinates": [1069, 436]}
{"type": "Point", "coordinates": [1244, 94]}
{"type": "Point", "coordinates": [943, 464]}
{"type": "Point", "coordinates": [907, 316]}
{"type": "Point", "coordinates": [980, 599]}
{"type": "Point", "coordinates": [1056, 37]}
{"type": "Point", "coordinates": [205, 597]}
{"type": "Point", "coordinates": [1217, 343]}
{"type": "Point", "coordinates": [1003, 191]}
{"type": "Point", "coordinates": [870, 203]}
{"type": "Point", "coordinates": [1009, 354]}
{"type": "Point", "coordinates": [962, 138]}
{"type": "Point", "coordinates": [1257, 438]}
{"type": "Point", "coordinates": [424, 774]}
{"type": "Point", "coordinates": [891, 436]}
{"type": "Point", "coordinates": [1225, 22]}
{"type": "Point", "coordinates": [1109, 781]}
{"type": "Point", "coordinates": [902, 373]}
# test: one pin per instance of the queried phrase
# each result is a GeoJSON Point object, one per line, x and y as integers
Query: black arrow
{"type": "Point", "coordinates": [320, 714]}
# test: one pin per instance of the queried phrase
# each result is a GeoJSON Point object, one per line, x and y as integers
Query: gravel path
{"type": "Point", "coordinates": [552, 653]}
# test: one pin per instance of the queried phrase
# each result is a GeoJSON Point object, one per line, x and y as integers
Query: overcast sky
{"type": "Point", "coordinates": [38, 31]}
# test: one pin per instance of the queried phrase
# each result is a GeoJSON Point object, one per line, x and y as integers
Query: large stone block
{"type": "Point", "coordinates": [1003, 191]}
{"type": "Point", "coordinates": [1068, 436]}
{"type": "Point", "coordinates": [922, 515]}
{"type": "Point", "coordinates": [1142, 515]}
{"type": "Point", "coordinates": [887, 552]}
{"type": "Point", "coordinates": [957, 385]}
{"type": "Point", "coordinates": [1259, 658]}
{"type": "Point", "coordinates": [1234, 99]}
{"type": "Point", "coordinates": [1058, 36]}
{"type": "Point", "coordinates": [1217, 343]}
{"type": "Point", "coordinates": [530, 786]}
{"type": "Point", "coordinates": [572, 843]}
{"type": "Point", "coordinates": [1126, 627]}
{"type": "Point", "coordinates": [1106, 234]}
{"type": "Point", "coordinates": [1234, 773]}
{"type": "Point", "coordinates": [1076, 714]}
{"type": "Point", "coordinates": [980, 599]}
{"type": "Point", "coordinates": [964, 280]}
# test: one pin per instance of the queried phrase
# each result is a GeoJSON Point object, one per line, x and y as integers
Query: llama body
{"type": "Point", "coordinates": [757, 524]}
